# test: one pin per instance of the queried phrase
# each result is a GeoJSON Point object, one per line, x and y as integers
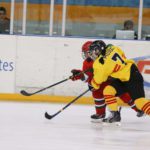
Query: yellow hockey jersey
{"type": "Point", "coordinates": [115, 65]}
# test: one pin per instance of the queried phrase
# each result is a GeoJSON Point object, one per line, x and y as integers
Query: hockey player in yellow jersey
{"type": "Point", "coordinates": [110, 62]}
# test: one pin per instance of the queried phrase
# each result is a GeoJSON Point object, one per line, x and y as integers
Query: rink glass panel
{"type": "Point", "coordinates": [99, 18]}
{"type": "Point", "coordinates": [38, 17]}
{"type": "Point", "coordinates": [146, 20]}
{"type": "Point", "coordinates": [18, 15]}
{"type": "Point", "coordinates": [92, 18]}
{"type": "Point", "coordinates": [7, 7]}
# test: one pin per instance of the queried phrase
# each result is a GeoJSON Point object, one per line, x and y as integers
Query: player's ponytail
{"type": "Point", "coordinates": [101, 60]}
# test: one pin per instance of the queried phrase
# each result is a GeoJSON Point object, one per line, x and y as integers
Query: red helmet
{"type": "Point", "coordinates": [85, 49]}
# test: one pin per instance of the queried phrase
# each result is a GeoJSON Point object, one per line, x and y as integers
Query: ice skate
{"type": "Point", "coordinates": [140, 113]}
{"type": "Point", "coordinates": [114, 118]}
{"type": "Point", "coordinates": [97, 118]}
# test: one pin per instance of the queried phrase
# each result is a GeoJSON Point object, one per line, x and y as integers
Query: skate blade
{"type": "Point", "coordinates": [112, 124]}
{"type": "Point", "coordinates": [96, 120]}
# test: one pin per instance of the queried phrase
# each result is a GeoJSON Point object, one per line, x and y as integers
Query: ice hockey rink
{"type": "Point", "coordinates": [24, 127]}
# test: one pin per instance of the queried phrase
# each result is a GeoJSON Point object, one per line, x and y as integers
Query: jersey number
{"type": "Point", "coordinates": [116, 57]}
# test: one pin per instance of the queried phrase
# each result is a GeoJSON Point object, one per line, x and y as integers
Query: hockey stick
{"type": "Point", "coordinates": [23, 92]}
{"type": "Point", "coordinates": [47, 116]}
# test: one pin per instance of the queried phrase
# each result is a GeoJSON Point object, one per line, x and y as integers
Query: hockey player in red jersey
{"type": "Point", "coordinates": [100, 105]}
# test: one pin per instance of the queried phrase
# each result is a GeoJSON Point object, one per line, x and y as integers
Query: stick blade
{"type": "Point", "coordinates": [25, 93]}
{"type": "Point", "coordinates": [47, 116]}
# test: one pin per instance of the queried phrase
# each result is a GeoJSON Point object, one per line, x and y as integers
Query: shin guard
{"type": "Point", "coordinates": [110, 98]}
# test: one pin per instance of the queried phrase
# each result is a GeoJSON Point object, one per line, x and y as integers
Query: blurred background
{"type": "Point", "coordinates": [92, 18]}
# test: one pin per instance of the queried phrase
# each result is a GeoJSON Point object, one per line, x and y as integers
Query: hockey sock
{"type": "Point", "coordinates": [110, 99]}
{"type": "Point", "coordinates": [127, 99]}
{"type": "Point", "coordinates": [143, 104]}
{"type": "Point", "coordinates": [100, 106]}
{"type": "Point", "coordinates": [133, 106]}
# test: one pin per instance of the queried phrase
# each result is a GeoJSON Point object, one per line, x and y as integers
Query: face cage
{"type": "Point", "coordinates": [85, 55]}
{"type": "Point", "coordinates": [94, 54]}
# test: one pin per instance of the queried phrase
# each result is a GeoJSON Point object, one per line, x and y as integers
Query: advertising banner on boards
{"type": "Point", "coordinates": [7, 63]}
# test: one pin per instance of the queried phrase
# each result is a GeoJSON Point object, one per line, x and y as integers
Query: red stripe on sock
{"type": "Point", "coordinates": [108, 96]}
{"type": "Point", "coordinates": [111, 102]}
{"type": "Point", "coordinates": [148, 112]}
{"type": "Point", "coordinates": [108, 100]}
{"type": "Point", "coordinates": [147, 105]}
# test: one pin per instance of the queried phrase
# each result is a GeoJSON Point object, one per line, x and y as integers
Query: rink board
{"type": "Point", "coordinates": [49, 99]}
{"type": "Point", "coordinates": [52, 63]}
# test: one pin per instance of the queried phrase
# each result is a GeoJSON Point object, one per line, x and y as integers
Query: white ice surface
{"type": "Point", "coordinates": [23, 127]}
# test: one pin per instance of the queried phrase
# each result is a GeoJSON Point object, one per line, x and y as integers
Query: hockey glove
{"type": "Point", "coordinates": [90, 87]}
{"type": "Point", "coordinates": [77, 75]}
